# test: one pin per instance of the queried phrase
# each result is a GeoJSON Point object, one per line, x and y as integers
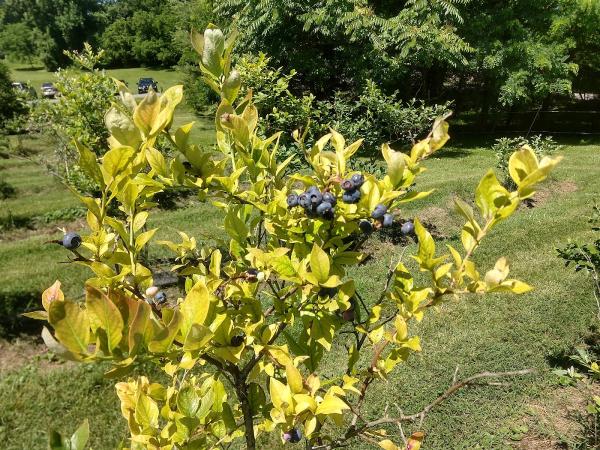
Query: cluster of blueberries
{"type": "Point", "coordinates": [322, 204]}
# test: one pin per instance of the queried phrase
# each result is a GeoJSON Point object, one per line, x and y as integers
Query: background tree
{"type": "Point", "coordinates": [336, 45]}
{"type": "Point", "coordinates": [576, 23]}
{"type": "Point", "coordinates": [515, 59]}
{"type": "Point", "coordinates": [143, 32]}
{"type": "Point", "coordinates": [64, 24]}
{"type": "Point", "coordinates": [11, 104]}
{"type": "Point", "coordinates": [20, 42]}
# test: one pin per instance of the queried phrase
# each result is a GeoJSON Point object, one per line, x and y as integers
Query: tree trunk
{"type": "Point", "coordinates": [241, 389]}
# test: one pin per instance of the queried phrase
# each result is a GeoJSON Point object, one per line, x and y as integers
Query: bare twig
{"type": "Point", "coordinates": [451, 390]}
{"type": "Point", "coordinates": [359, 432]}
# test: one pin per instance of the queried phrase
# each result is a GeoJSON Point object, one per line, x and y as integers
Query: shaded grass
{"type": "Point", "coordinates": [497, 332]}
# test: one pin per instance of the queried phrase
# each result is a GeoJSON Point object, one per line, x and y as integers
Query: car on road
{"type": "Point", "coordinates": [49, 90]}
{"type": "Point", "coordinates": [144, 85]}
{"type": "Point", "coordinates": [25, 90]}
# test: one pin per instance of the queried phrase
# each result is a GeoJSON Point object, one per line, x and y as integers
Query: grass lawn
{"type": "Point", "coordinates": [37, 75]}
{"type": "Point", "coordinates": [497, 332]}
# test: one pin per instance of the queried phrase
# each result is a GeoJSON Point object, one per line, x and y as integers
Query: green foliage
{"type": "Point", "coordinates": [504, 148]}
{"type": "Point", "coordinates": [150, 32]}
{"type": "Point", "coordinates": [13, 106]}
{"type": "Point", "coordinates": [379, 118]}
{"type": "Point", "coordinates": [20, 42]}
{"type": "Point", "coordinates": [257, 314]}
{"type": "Point", "coordinates": [382, 37]}
{"type": "Point", "coordinates": [518, 60]}
{"type": "Point", "coordinates": [61, 215]}
{"type": "Point", "coordinates": [576, 23]}
{"type": "Point", "coordinates": [55, 25]}
{"type": "Point", "coordinates": [86, 96]}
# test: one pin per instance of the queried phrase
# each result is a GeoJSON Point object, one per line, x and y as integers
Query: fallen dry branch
{"type": "Point", "coordinates": [359, 431]}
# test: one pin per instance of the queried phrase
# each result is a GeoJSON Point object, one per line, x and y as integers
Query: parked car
{"type": "Point", "coordinates": [25, 90]}
{"type": "Point", "coordinates": [49, 90]}
{"type": "Point", "coordinates": [144, 84]}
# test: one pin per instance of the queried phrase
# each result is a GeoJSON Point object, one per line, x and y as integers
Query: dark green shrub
{"type": "Point", "coordinates": [11, 105]}
{"type": "Point", "coordinates": [7, 190]}
{"type": "Point", "coordinates": [61, 215]}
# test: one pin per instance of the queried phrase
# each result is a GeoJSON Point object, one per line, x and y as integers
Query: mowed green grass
{"type": "Point", "coordinates": [36, 76]}
{"type": "Point", "coordinates": [497, 332]}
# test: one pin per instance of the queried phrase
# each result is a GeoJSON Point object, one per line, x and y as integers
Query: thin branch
{"type": "Point", "coordinates": [449, 392]}
{"type": "Point", "coordinates": [359, 432]}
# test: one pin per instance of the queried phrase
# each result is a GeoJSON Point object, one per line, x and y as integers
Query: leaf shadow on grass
{"type": "Point", "coordinates": [562, 358]}
{"type": "Point", "coordinates": [12, 305]}
{"type": "Point", "coordinates": [453, 153]}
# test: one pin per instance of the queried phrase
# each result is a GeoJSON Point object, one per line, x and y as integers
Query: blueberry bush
{"type": "Point", "coordinates": [243, 345]}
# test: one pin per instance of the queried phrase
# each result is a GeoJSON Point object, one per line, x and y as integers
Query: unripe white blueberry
{"type": "Point", "coordinates": [151, 291]}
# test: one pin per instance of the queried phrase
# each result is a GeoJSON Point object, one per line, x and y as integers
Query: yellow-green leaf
{"type": "Point", "coordinates": [331, 404]}
{"type": "Point", "coordinates": [294, 378]}
{"type": "Point", "coordinates": [71, 325]}
{"type": "Point", "coordinates": [319, 263]}
{"type": "Point", "coordinates": [146, 411]}
{"type": "Point", "coordinates": [104, 315]}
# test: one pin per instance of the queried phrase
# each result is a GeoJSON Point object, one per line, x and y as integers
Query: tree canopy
{"type": "Point", "coordinates": [514, 53]}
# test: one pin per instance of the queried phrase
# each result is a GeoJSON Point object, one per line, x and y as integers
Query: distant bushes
{"type": "Point", "coordinates": [370, 113]}
{"type": "Point", "coordinates": [504, 147]}
{"type": "Point", "coordinates": [12, 221]}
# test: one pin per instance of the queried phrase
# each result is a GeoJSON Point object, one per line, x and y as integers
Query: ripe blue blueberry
{"type": "Point", "coordinates": [323, 208]}
{"type": "Point", "coordinates": [315, 197]}
{"type": "Point", "coordinates": [71, 241]}
{"type": "Point", "coordinates": [388, 220]}
{"type": "Point", "coordinates": [351, 196]}
{"type": "Point", "coordinates": [329, 198]}
{"type": "Point", "coordinates": [313, 190]}
{"type": "Point", "coordinates": [379, 212]}
{"type": "Point", "coordinates": [365, 226]}
{"type": "Point", "coordinates": [358, 179]}
{"type": "Point", "coordinates": [292, 200]}
{"type": "Point", "coordinates": [347, 185]}
{"type": "Point", "coordinates": [304, 200]}
{"type": "Point", "coordinates": [292, 436]}
{"type": "Point", "coordinates": [407, 228]}
{"type": "Point", "coordinates": [161, 297]}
